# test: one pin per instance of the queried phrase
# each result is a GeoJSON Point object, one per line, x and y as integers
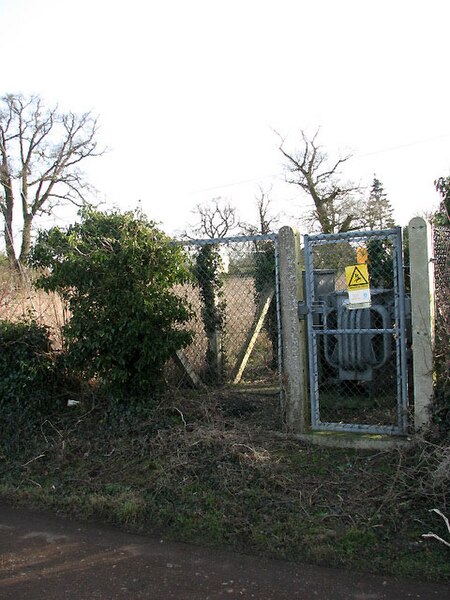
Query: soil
{"type": "Point", "coordinates": [47, 556]}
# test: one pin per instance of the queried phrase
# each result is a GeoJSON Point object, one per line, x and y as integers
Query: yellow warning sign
{"type": "Point", "coordinates": [357, 277]}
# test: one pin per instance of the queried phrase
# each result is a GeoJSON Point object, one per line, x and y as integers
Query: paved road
{"type": "Point", "coordinates": [46, 557]}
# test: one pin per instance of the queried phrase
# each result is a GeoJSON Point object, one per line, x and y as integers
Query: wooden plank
{"type": "Point", "coordinates": [182, 360]}
{"type": "Point", "coordinates": [252, 336]}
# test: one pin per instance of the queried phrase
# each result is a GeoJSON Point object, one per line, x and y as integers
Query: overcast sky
{"type": "Point", "coordinates": [189, 93]}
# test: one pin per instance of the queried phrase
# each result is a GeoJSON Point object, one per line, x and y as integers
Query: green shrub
{"type": "Point", "coordinates": [26, 370]}
{"type": "Point", "coordinates": [117, 273]}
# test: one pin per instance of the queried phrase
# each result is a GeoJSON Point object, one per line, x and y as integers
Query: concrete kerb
{"type": "Point", "coordinates": [358, 441]}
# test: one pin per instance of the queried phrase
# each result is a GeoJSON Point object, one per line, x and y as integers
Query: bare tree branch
{"type": "Point", "coordinates": [333, 201]}
{"type": "Point", "coordinates": [266, 222]}
{"type": "Point", "coordinates": [216, 219]}
{"type": "Point", "coordinates": [40, 152]}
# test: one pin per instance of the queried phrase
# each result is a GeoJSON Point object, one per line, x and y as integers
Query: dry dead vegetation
{"type": "Point", "coordinates": [20, 300]}
{"type": "Point", "coordinates": [209, 469]}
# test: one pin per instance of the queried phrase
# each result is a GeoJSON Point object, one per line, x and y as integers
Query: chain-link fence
{"type": "Point", "coordinates": [356, 331]}
{"type": "Point", "coordinates": [234, 299]}
{"type": "Point", "coordinates": [442, 315]}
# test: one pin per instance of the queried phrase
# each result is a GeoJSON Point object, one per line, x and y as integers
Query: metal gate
{"type": "Point", "coordinates": [357, 341]}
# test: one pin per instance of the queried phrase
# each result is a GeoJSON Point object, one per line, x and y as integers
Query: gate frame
{"type": "Point", "coordinates": [398, 331]}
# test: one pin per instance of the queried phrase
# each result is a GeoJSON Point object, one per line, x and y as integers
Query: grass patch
{"type": "Point", "coordinates": [199, 473]}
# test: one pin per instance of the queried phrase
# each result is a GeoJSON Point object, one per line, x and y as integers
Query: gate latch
{"type": "Point", "coordinates": [302, 310]}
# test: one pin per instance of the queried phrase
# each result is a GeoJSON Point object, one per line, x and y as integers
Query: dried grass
{"type": "Point", "coordinates": [19, 300]}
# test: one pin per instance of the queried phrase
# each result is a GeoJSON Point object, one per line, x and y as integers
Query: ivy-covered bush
{"type": "Point", "coordinates": [116, 271]}
{"type": "Point", "coordinates": [26, 371]}
{"type": "Point", "coordinates": [207, 273]}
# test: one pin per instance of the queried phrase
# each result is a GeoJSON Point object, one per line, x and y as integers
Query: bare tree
{"type": "Point", "coordinates": [266, 222]}
{"type": "Point", "coordinates": [334, 202]}
{"type": "Point", "coordinates": [40, 154]}
{"type": "Point", "coordinates": [216, 219]}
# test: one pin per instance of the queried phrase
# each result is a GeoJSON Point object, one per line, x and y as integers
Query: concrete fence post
{"type": "Point", "coordinates": [293, 332]}
{"type": "Point", "coordinates": [422, 314]}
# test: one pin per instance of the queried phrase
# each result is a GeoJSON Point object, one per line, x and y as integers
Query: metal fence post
{"type": "Point", "coordinates": [293, 332]}
{"type": "Point", "coordinates": [422, 309]}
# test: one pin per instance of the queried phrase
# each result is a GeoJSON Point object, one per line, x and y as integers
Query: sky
{"type": "Point", "coordinates": [189, 94]}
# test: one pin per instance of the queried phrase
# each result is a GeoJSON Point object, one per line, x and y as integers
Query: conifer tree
{"type": "Point", "coordinates": [379, 211]}
{"type": "Point", "coordinates": [442, 216]}
{"type": "Point", "coordinates": [379, 215]}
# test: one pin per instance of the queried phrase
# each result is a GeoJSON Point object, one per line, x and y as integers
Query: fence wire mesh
{"type": "Point", "coordinates": [442, 316]}
{"type": "Point", "coordinates": [357, 359]}
{"type": "Point", "coordinates": [234, 299]}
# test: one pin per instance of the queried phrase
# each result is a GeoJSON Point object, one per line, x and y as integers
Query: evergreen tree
{"type": "Point", "coordinates": [379, 211]}
{"type": "Point", "coordinates": [442, 217]}
{"type": "Point", "coordinates": [379, 215]}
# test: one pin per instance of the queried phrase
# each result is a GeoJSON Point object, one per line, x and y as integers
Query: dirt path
{"type": "Point", "coordinates": [46, 557]}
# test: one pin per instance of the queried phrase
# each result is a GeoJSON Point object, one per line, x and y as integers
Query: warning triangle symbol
{"type": "Point", "coordinates": [357, 278]}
